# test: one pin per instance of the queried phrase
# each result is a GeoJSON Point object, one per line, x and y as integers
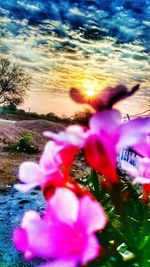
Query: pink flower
{"type": "Point", "coordinates": [140, 173]}
{"type": "Point", "coordinates": [72, 139]}
{"type": "Point", "coordinates": [73, 135]}
{"type": "Point", "coordinates": [143, 148]}
{"type": "Point", "coordinates": [105, 99]}
{"type": "Point", "coordinates": [55, 162]}
{"type": "Point", "coordinates": [32, 174]}
{"type": "Point", "coordinates": [107, 137]}
{"type": "Point", "coordinates": [66, 232]}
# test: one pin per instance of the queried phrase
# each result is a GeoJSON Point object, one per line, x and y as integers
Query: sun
{"type": "Point", "coordinates": [90, 88]}
{"type": "Point", "coordinates": [90, 92]}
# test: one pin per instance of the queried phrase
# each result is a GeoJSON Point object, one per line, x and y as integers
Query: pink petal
{"type": "Point", "coordinates": [105, 121]}
{"type": "Point", "coordinates": [49, 237]}
{"type": "Point", "coordinates": [50, 135]}
{"type": "Point", "coordinates": [77, 95]}
{"type": "Point", "coordinates": [73, 135]}
{"type": "Point", "coordinates": [141, 180]}
{"type": "Point", "coordinates": [29, 218]}
{"type": "Point", "coordinates": [130, 169]}
{"type": "Point", "coordinates": [100, 151]}
{"type": "Point", "coordinates": [91, 215]}
{"type": "Point", "coordinates": [76, 135]}
{"type": "Point", "coordinates": [91, 250]}
{"type": "Point", "coordinates": [144, 167]}
{"type": "Point", "coordinates": [60, 263]}
{"type": "Point", "coordinates": [32, 227]}
{"type": "Point", "coordinates": [65, 204]}
{"type": "Point", "coordinates": [67, 155]}
{"type": "Point", "coordinates": [143, 148]}
{"type": "Point", "coordinates": [54, 176]}
{"type": "Point", "coordinates": [50, 157]}
{"type": "Point", "coordinates": [40, 243]}
{"type": "Point", "coordinates": [20, 239]}
{"type": "Point", "coordinates": [29, 172]}
{"type": "Point", "coordinates": [106, 98]}
{"type": "Point", "coordinates": [61, 152]}
{"type": "Point", "coordinates": [25, 187]}
{"type": "Point", "coordinates": [110, 95]}
{"type": "Point", "coordinates": [55, 239]}
{"type": "Point", "coordinates": [133, 132]}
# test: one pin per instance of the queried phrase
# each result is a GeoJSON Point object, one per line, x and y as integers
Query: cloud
{"type": "Point", "coordinates": [126, 20]}
{"type": "Point", "coordinates": [63, 43]}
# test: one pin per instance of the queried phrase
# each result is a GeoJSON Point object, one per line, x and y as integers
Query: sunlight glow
{"type": "Point", "coordinates": [90, 92]}
{"type": "Point", "coordinates": [90, 87]}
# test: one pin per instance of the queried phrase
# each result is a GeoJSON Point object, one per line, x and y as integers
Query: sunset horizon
{"type": "Point", "coordinates": [64, 44]}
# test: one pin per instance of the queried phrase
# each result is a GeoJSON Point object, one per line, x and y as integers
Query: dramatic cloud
{"type": "Point", "coordinates": [68, 43]}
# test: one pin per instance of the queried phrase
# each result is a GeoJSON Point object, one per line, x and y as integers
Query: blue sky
{"type": "Point", "coordinates": [76, 43]}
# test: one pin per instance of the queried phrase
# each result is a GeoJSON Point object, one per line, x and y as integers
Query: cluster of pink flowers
{"type": "Point", "coordinates": [66, 231]}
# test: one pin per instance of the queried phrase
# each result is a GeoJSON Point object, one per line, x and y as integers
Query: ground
{"type": "Point", "coordinates": [13, 204]}
{"type": "Point", "coordinates": [10, 132]}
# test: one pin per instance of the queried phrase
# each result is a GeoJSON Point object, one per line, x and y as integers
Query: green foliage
{"type": "Point", "coordinates": [125, 240]}
{"type": "Point", "coordinates": [52, 117]}
{"type": "Point", "coordinates": [20, 111]}
{"type": "Point", "coordinates": [10, 108]}
{"type": "Point", "coordinates": [24, 144]}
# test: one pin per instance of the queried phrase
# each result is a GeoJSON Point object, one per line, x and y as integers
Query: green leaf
{"type": "Point", "coordinates": [95, 182]}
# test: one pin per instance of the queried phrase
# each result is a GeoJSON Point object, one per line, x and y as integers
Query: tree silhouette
{"type": "Point", "coordinates": [82, 117]}
{"type": "Point", "coordinates": [14, 83]}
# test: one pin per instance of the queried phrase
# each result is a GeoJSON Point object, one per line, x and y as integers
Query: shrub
{"type": "Point", "coordinates": [24, 144]}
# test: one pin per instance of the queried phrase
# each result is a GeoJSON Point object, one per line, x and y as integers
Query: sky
{"type": "Point", "coordinates": [78, 43]}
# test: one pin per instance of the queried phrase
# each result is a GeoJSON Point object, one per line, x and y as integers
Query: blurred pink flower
{"type": "Point", "coordinates": [105, 99]}
{"type": "Point", "coordinates": [73, 135]}
{"type": "Point", "coordinates": [140, 173]}
{"type": "Point", "coordinates": [143, 171]}
{"type": "Point", "coordinates": [49, 169]}
{"type": "Point", "coordinates": [71, 140]}
{"type": "Point", "coordinates": [65, 233]}
{"type": "Point", "coordinates": [107, 136]}
{"type": "Point", "coordinates": [55, 161]}
{"type": "Point", "coordinates": [143, 148]}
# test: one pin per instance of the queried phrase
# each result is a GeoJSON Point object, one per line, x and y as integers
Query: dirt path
{"type": "Point", "coordinates": [8, 121]}
{"type": "Point", "coordinates": [9, 166]}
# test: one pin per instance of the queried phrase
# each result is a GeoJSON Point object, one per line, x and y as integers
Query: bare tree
{"type": "Point", "coordinates": [14, 83]}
